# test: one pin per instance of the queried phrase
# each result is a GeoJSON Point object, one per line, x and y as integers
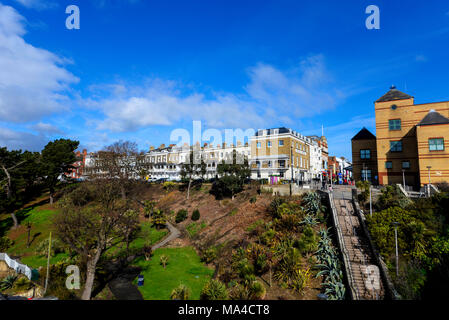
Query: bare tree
{"type": "Point", "coordinates": [92, 229]}
{"type": "Point", "coordinates": [193, 168]}
{"type": "Point", "coordinates": [122, 161]}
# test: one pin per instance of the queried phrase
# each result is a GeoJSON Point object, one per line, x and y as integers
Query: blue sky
{"type": "Point", "coordinates": [137, 70]}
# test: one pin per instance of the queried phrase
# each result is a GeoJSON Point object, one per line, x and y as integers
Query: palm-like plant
{"type": "Point", "coordinates": [214, 290]}
{"type": "Point", "coordinates": [7, 283]}
{"type": "Point", "coordinates": [163, 260]}
{"type": "Point", "coordinates": [181, 292]}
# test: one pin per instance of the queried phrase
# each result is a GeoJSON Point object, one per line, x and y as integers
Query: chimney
{"type": "Point", "coordinates": [85, 152]}
{"type": "Point", "coordinates": [224, 145]}
{"type": "Point", "coordinates": [239, 144]}
{"type": "Point", "coordinates": [151, 148]}
{"type": "Point", "coordinates": [162, 146]}
{"type": "Point", "coordinates": [205, 144]}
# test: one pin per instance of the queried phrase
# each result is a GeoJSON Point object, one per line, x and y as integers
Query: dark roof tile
{"type": "Point", "coordinates": [394, 94]}
{"type": "Point", "coordinates": [433, 117]}
{"type": "Point", "coordinates": [364, 134]}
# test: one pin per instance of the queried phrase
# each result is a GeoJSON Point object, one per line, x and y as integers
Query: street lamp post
{"type": "Point", "coordinates": [370, 202]}
{"type": "Point", "coordinates": [291, 162]}
{"type": "Point", "coordinates": [428, 186]}
{"type": "Point", "coordinates": [396, 244]}
{"type": "Point", "coordinates": [403, 178]}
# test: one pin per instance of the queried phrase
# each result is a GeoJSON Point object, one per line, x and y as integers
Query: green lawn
{"type": "Point", "coordinates": [40, 220]}
{"type": "Point", "coordinates": [184, 266]}
{"type": "Point", "coordinates": [148, 235]}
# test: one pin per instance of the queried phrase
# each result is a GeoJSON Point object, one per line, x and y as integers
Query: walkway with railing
{"type": "Point", "coordinates": [361, 267]}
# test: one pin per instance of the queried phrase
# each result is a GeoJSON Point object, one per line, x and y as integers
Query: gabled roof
{"type": "Point", "coordinates": [433, 117]}
{"type": "Point", "coordinates": [364, 134]}
{"type": "Point", "coordinates": [394, 94]}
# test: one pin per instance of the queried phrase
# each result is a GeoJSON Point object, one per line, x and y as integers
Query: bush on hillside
{"type": "Point", "coordinates": [181, 215]}
{"type": "Point", "coordinates": [195, 215]}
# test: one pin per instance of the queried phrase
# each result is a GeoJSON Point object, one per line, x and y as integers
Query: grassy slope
{"type": "Point", "coordinates": [184, 267]}
{"type": "Point", "coordinates": [148, 235]}
{"type": "Point", "coordinates": [40, 219]}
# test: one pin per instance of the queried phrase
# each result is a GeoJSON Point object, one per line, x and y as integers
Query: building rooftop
{"type": "Point", "coordinates": [433, 117]}
{"type": "Point", "coordinates": [394, 94]}
{"type": "Point", "coordinates": [364, 134]}
{"type": "Point", "coordinates": [271, 131]}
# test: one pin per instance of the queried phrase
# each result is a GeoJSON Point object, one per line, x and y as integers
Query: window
{"type": "Point", "coordinates": [269, 144]}
{"type": "Point", "coordinates": [259, 145]}
{"type": "Point", "coordinates": [281, 143]}
{"type": "Point", "coordinates": [269, 164]}
{"type": "Point", "coordinates": [394, 107]}
{"type": "Point", "coordinates": [282, 163]}
{"type": "Point", "coordinates": [388, 165]}
{"type": "Point", "coordinates": [394, 124]}
{"type": "Point", "coordinates": [395, 146]}
{"type": "Point", "coordinates": [436, 144]}
{"type": "Point", "coordinates": [405, 164]}
{"type": "Point", "coordinates": [366, 175]}
{"type": "Point", "coordinates": [365, 154]}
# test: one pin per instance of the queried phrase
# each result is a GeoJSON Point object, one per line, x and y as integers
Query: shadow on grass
{"type": "Point", "coordinates": [22, 214]}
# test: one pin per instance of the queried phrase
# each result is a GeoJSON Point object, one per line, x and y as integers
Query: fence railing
{"type": "Point", "coordinates": [16, 266]}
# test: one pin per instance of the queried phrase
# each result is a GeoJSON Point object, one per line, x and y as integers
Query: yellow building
{"type": "Point", "coordinates": [410, 140]}
{"type": "Point", "coordinates": [280, 154]}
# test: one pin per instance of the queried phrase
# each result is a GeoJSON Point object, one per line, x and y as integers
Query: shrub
{"type": "Point", "coordinates": [392, 197]}
{"type": "Point", "coordinates": [257, 291]}
{"type": "Point", "coordinates": [82, 195]}
{"type": "Point", "coordinates": [308, 242]}
{"type": "Point", "coordinates": [267, 236]}
{"type": "Point", "coordinates": [214, 290]}
{"type": "Point", "coordinates": [23, 284]}
{"type": "Point", "coordinates": [253, 200]}
{"type": "Point", "coordinates": [195, 215]}
{"type": "Point", "coordinates": [57, 284]}
{"type": "Point", "coordinates": [238, 292]}
{"type": "Point", "coordinates": [181, 215]}
{"type": "Point", "coordinates": [56, 247]}
{"type": "Point", "coordinates": [168, 185]}
{"type": "Point", "coordinates": [411, 232]}
{"type": "Point", "coordinates": [182, 292]}
{"type": "Point", "coordinates": [274, 206]}
{"type": "Point", "coordinates": [209, 255]}
{"type": "Point", "coordinates": [5, 244]}
{"type": "Point", "coordinates": [7, 283]}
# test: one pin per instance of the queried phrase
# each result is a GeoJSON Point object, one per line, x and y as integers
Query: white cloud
{"type": "Point", "coordinates": [22, 140]}
{"type": "Point", "coordinates": [46, 128]}
{"type": "Point", "coordinates": [37, 4]}
{"type": "Point", "coordinates": [32, 80]}
{"type": "Point", "coordinates": [271, 95]}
